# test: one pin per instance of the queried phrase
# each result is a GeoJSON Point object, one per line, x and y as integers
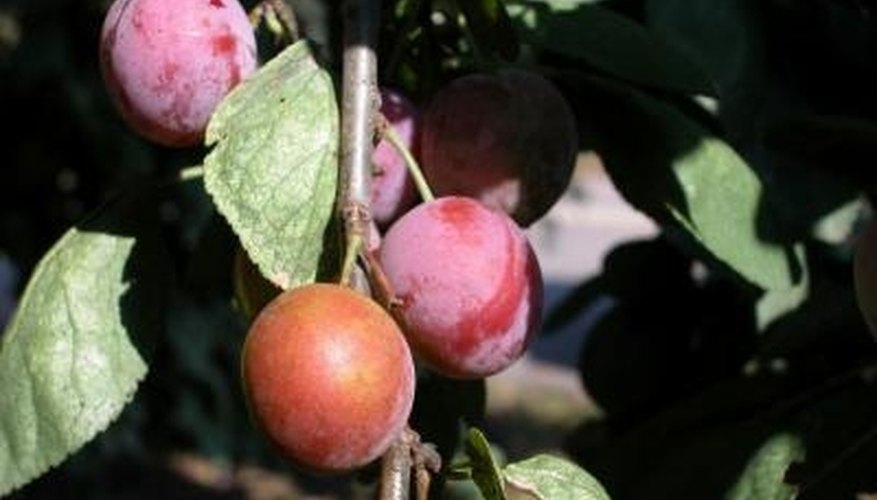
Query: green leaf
{"type": "Point", "coordinates": [610, 43]}
{"type": "Point", "coordinates": [485, 471]}
{"type": "Point", "coordinates": [775, 304]}
{"type": "Point", "coordinates": [675, 170]}
{"type": "Point", "coordinates": [763, 477]}
{"type": "Point", "coordinates": [551, 478]}
{"type": "Point", "coordinates": [67, 364]}
{"type": "Point", "coordinates": [273, 170]}
{"type": "Point", "coordinates": [491, 26]}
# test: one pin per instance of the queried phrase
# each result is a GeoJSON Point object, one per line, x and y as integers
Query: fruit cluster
{"type": "Point", "coordinates": [328, 372]}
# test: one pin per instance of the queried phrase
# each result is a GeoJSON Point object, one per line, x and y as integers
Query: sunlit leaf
{"type": "Point", "coordinates": [67, 364]}
{"type": "Point", "coordinates": [675, 170]}
{"type": "Point", "coordinates": [548, 477]}
{"type": "Point", "coordinates": [763, 477]}
{"type": "Point", "coordinates": [273, 170]}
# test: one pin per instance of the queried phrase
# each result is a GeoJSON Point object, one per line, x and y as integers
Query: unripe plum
{"type": "Point", "coordinates": [468, 283]}
{"type": "Point", "coordinates": [329, 377]}
{"type": "Point", "coordinates": [865, 275]}
{"type": "Point", "coordinates": [392, 189]}
{"type": "Point", "coordinates": [508, 139]}
{"type": "Point", "coordinates": [168, 63]}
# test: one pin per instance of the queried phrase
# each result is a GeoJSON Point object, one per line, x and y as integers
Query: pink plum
{"type": "Point", "coordinates": [168, 63]}
{"type": "Point", "coordinates": [469, 286]}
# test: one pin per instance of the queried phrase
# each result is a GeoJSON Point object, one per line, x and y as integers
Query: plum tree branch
{"type": "Point", "coordinates": [359, 103]}
{"type": "Point", "coordinates": [359, 111]}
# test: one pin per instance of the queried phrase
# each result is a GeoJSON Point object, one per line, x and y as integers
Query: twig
{"type": "Point", "coordinates": [427, 462]}
{"type": "Point", "coordinates": [358, 107]}
{"type": "Point", "coordinates": [396, 469]}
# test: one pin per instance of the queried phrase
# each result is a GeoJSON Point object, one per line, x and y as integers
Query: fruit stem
{"type": "Point", "coordinates": [351, 252]}
{"type": "Point", "coordinates": [390, 134]}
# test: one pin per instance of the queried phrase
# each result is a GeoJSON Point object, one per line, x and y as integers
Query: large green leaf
{"type": "Point", "coordinates": [552, 478]}
{"type": "Point", "coordinates": [273, 170]}
{"type": "Point", "coordinates": [67, 365]}
{"type": "Point", "coordinates": [610, 43]}
{"type": "Point", "coordinates": [668, 165]}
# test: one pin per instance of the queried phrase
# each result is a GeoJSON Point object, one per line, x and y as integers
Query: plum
{"type": "Point", "coordinates": [329, 377]}
{"type": "Point", "coordinates": [168, 63]}
{"type": "Point", "coordinates": [508, 139]}
{"type": "Point", "coordinates": [468, 285]}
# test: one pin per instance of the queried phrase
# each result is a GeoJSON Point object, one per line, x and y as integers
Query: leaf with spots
{"type": "Point", "coordinates": [67, 363]}
{"type": "Point", "coordinates": [763, 477]}
{"type": "Point", "coordinates": [272, 172]}
{"type": "Point", "coordinates": [548, 477]}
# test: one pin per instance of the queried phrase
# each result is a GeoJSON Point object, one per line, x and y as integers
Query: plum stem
{"type": "Point", "coordinates": [386, 131]}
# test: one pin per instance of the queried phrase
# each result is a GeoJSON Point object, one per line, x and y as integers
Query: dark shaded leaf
{"type": "Point", "coordinates": [485, 471]}
{"type": "Point", "coordinates": [491, 27]}
{"type": "Point", "coordinates": [610, 43]}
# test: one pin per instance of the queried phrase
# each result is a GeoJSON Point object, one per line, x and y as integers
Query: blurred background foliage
{"type": "Point", "coordinates": [709, 383]}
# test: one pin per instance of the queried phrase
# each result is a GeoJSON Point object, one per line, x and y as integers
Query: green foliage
{"type": "Point", "coordinates": [551, 478]}
{"type": "Point", "coordinates": [767, 178]}
{"type": "Point", "coordinates": [610, 43]}
{"type": "Point", "coordinates": [485, 471]}
{"type": "Point", "coordinates": [763, 477]}
{"type": "Point", "coordinates": [273, 170]}
{"type": "Point", "coordinates": [676, 170]}
{"type": "Point", "coordinates": [67, 363]}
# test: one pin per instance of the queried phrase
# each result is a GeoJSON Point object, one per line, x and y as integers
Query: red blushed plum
{"type": "Point", "coordinates": [469, 286]}
{"type": "Point", "coordinates": [865, 275]}
{"type": "Point", "coordinates": [168, 63]}
{"type": "Point", "coordinates": [328, 376]}
{"type": "Point", "coordinates": [508, 139]}
{"type": "Point", "coordinates": [392, 188]}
